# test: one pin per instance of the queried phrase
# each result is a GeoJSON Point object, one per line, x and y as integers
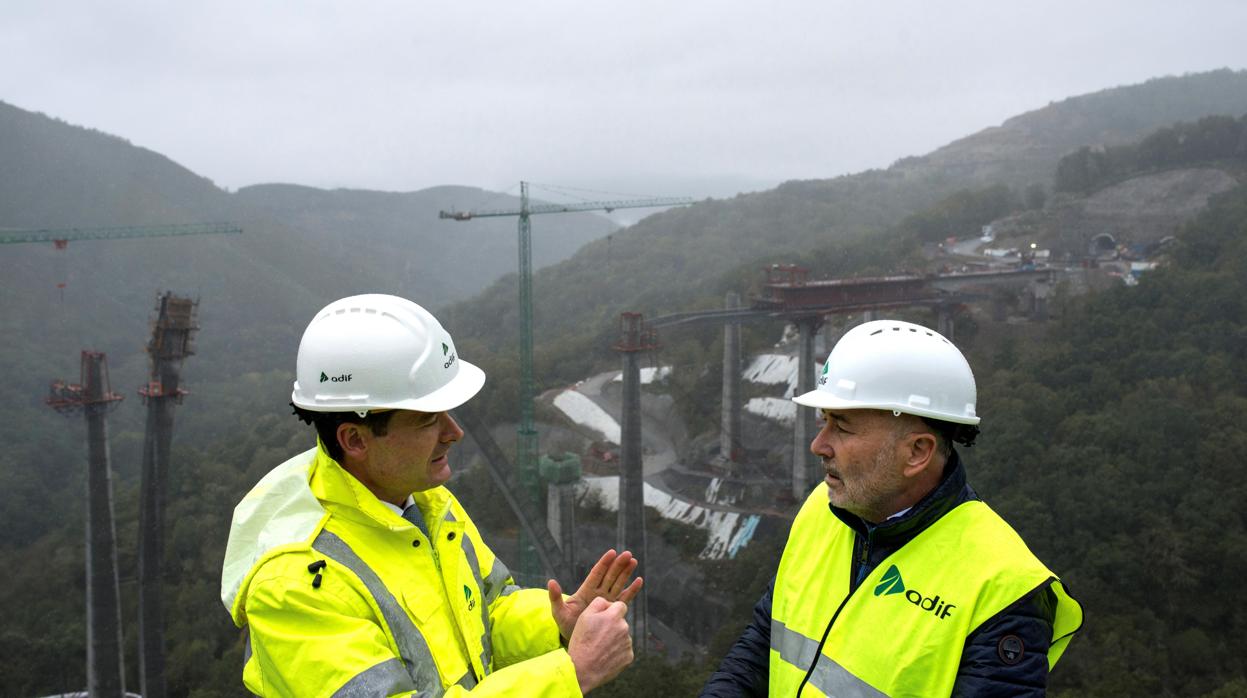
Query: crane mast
{"type": "Point", "coordinates": [526, 432]}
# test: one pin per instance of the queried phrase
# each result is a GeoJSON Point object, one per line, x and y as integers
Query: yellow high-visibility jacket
{"type": "Point", "coordinates": [902, 631]}
{"type": "Point", "coordinates": [340, 596]}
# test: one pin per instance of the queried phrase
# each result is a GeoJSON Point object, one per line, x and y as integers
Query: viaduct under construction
{"type": "Point", "coordinates": [786, 295]}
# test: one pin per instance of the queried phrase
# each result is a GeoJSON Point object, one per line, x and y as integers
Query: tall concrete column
{"type": "Point", "coordinates": [944, 321]}
{"type": "Point", "coordinates": [632, 491]}
{"type": "Point", "coordinates": [561, 519]}
{"type": "Point", "coordinates": [729, 433]}
{"type": "Point", "coordinates": [171, 342]}
{"type": "Point", "coordinates": [1040, 291]}
{"type": "Point", "coordinates": [803, 425]}
{"type": "Point", "coordinates": [105, 662]}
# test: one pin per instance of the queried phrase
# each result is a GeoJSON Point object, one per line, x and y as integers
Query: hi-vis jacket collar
{"type": "Point", "coordinates": [287, 509]}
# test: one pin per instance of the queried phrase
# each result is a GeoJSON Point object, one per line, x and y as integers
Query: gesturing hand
{"type": "Point", "coordinates": [608, 579]}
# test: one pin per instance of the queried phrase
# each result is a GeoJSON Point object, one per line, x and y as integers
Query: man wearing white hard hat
{"type": "Point", "coordinates": [897, 580]}
{"type": "Point", "coordinates": [352, 569]}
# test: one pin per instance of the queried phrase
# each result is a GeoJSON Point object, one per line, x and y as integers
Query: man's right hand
{"type": "Point", "coordinates": [600, 646]}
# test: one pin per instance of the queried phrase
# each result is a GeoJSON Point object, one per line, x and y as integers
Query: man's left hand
{"type": "Point", "coordinates": [608, 579]}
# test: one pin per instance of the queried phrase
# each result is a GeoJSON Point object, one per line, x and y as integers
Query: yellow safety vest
{"type": "Point", "coordinates": [343, 597]}
{"type": "Point", "coordinates": [903, 630]}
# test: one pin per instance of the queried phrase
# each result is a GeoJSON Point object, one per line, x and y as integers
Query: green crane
{"type": "Point", "coordinates": [61, 237]}
{"type": "Point", "coordinates": [526, 432]}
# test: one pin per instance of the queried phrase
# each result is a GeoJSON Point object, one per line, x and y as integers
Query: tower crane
{"type": "Point", "coordinates": [60, 237]}
{"type": "Point", "coordinates": [526, 432]}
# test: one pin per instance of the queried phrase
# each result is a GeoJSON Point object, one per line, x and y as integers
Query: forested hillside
{"type": "Point", "coordinates": [1114, 445]}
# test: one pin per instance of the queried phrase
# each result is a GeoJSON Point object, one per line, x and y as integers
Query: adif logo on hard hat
{"type": "Point", "coordinates": [446, 350]}
{"type": "Point", "coordinates": [822, 380]}
{"type": "Point", "coordinates": [344, 378]}
{"type": "Point", "coordinates": [893, 584]}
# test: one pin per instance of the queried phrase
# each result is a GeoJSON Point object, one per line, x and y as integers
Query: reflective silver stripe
{"type": "Point", "coordinates": [509, 589]}
{"type": "Point", "coordinates": [246, 644]}
{"type": "Point", "coordinates": [793, 647]}
{"type": "Point", "coordinates": [468, 680]}
{"type": "Point", "coordinates": [412, 647]}
{"type": "Point", "coordinates": [496, 582]}
{"type": "Point", "coordinates": [385, 679]}
{"type": "Point", "coordinates": [469, 550]}
{"type": "Point", "coordinates": [828, 677]}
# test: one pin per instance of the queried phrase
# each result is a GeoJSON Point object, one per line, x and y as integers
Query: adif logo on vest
{"type": "Point", "coordinates": [892, 583]}
{"type": "Point", "coordinates": [467, 594]}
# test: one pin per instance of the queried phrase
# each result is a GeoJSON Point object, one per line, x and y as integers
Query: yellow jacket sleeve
{"type": "Point", "coordinates": [327, 641]}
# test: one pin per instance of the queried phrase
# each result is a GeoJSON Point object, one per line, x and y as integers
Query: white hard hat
{"type": "Point", "coordinates": [898, 366]}
{"type": "Point", "coordinates": [380, 352]}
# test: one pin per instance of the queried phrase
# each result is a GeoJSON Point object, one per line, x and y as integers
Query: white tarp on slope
{"type": "Point", "coordinates": [772, 369]}
{"type": "Point", "coordinates": [648, 375]}
{"type": "Point", "coordinates": [581, 410]}
{"type": "Point", "coordinates": [780, 409]}
{"type": "Point", "coordinates": [729, 530]}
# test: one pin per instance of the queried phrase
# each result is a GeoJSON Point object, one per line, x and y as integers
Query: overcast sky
{"type": "Point", "coordinates": [697, 98]}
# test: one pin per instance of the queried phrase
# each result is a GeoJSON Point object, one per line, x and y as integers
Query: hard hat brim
{"type": "Point", "coordinates": [463, 387]}
{"type": "Point", "coordinates": [822, 400]}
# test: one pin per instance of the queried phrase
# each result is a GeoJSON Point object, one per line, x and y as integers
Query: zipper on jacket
{"type": "Point", "coordinates": [818, 654]}
{"type": "Point", "coordinates": [861, 562]}
{"type": "Point", "coordinates": [861, 566]}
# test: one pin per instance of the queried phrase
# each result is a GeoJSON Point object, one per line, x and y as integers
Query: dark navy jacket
{"type": "Point", "coordinates": [989, 663]}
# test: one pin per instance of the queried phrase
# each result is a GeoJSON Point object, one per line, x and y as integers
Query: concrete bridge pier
{"type": "Point", "coordinates": [803, 427]}
{"type": "Point", "coordinates": [636, 338]}
{"type": "Point", "coordinates": [1040, 290]}
{"type": "Point", "coordinates": [944, 321]}
{"type": "Point", "coordinates": [729, 433]}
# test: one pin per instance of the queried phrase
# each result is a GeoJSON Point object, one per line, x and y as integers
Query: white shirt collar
{"type": "Point", "coordinates": [898, 514]}
{"type": "Point", "coordinates": [399, 510]}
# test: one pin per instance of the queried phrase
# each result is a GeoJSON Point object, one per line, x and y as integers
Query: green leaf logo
{"type": "Point", "coordinates": [826, 367]}
{"type": "Point", "coordinates": [323, 377]}
{"type": "Point", "coordinates": [445, 349]}
{"type": "Point", "coordinates": [891, 583]}
{"type": "Point", "coordinates": [467, 592]}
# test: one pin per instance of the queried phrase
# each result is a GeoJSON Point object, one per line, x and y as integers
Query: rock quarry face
{"type": "Point", "coordinates": [1166, 199]}
{"type": "Point", "coordinates": [1139, 210]}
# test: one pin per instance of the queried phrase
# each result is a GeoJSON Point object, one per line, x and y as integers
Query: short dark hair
{"type": "Point", "coordinates": [327, 424]}
{"type": "Point", "coordinates": [948, 433]}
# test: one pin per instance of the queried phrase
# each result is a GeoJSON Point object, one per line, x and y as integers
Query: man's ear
{"type": "Point", "coordinates": [919, 449]}
{"type": "Point", "coordinates": [352, 442]}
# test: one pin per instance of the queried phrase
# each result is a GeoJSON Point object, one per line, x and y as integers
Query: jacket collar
{"type": "Point", "coordinates": [952, 490]}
